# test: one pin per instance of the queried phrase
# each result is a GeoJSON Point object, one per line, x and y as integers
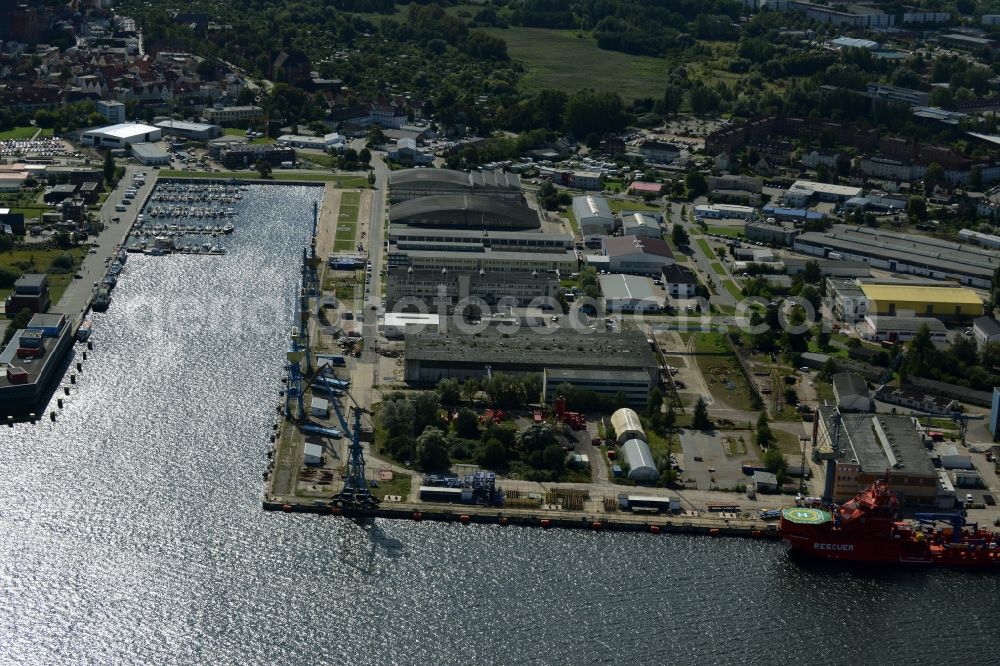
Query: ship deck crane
{"type": "Point", "coordinates": [956, 520]}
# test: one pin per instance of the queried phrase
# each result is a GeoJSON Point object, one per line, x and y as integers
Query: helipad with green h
{"type": "Point", "coordinates": [806, 516]}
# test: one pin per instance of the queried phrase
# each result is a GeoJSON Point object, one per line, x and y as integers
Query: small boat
{"type": "Point", "coordinates": [115, 268]}
{"type": "Point", "coordinates": [228, 229]}
{"type": "Point", "coordinates": [102, 299]}
{"type": "Point", "coordinates": [83, 333]}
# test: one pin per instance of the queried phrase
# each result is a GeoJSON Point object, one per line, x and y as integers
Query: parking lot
{"type": "Point", "coordinates": [714, 460]}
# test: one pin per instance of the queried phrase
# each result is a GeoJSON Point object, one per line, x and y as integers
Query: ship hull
{"type": "Point", "coordinates": [853, 550]}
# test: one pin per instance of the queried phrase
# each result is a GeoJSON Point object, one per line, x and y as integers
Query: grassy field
{"type": "Point", "coordinates": [787, 442]}
{"type": "Point", "coordinates": [347, 221]}
{"type": "Point", "coordinates": [400, 485]}
{"type": "Point", "coordinates": [19, 133]}
{"type": "Point", "coordinates": [721, 373]}
{"type": "Point", "coordinates": [321, 159]}
{"type": "Point", "coordinates": [733, 289]}
{"type": "Point", "coordinates": [561, 60]}
{"type": "Point", "coordinates": [705, 247]}
{"type": "Point", "coordinates": [709, 343]}
{"type": "Point", "coordinates": [725, 231]}
{"type": "Point", "coordinates": [718, 269]}
{"type": "Point", "coordinates": [618, 205]}
{"type": "Point", "coordinates": [572, 220]}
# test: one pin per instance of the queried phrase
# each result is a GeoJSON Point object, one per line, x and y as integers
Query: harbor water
{"type": "Point", "coordinates": [131, 529]}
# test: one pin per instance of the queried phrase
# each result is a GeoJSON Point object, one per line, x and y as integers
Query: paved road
{"type": "Point", "coordinates": [76, 299]}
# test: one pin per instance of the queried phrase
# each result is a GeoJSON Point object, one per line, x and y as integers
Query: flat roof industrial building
{"type": "Point", "coordinates": [150, 154]}
{"type": "Point", "coordinates": [874, 445]}
{"type": "Point", "coordinates": [630, 293]}
{"type": "Point", "coordinates": [120, 135]}
{"type": "Point", "coordinates": [486, 260]}
{"type": "Point", "coordinates": [193, 131]}
{"type": "Point", "coordinates": [549, 238]}
{"type": "Point", "coordinates": [432, 355]}
{"type": "Point", "coordinates": [946, 301]}
{"type": "Point", "coordinates": [904, 253]}
{"type": "Point", "coordinates": [422, 182]}
{"type": "Point", "coordinates": [635, 384]}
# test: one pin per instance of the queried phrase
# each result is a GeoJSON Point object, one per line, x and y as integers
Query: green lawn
{"type": "Point", "coordinates": [709, 343]}
{"type": "Point", "coordinates": [733, 289]}
{"type": "Point", "coordinates": [561, 60]}
{"type": "Point", "coordinates": [19, 133]}
{"type": "Point", "coordinates": [725, 231]}
{"type": "Point", "coordinates": [400, 485]}
{"type": "Point", "coordinates": [572, 220]}
{"type": "Point", "coordinates": [705, 247]}
{"type": "Point", "coordinates": [787, 442]}
{"type": "Point", "coordinates": [347, 221]}
{"type": "Point", "coordinates": [323, 160]}
{"type": "Point", "coordinates": [718, 269]}
{"type": "Point", "coordinates": [617, 206]}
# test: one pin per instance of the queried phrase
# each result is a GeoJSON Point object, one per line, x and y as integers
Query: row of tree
{"type": "Point", "coordinates": [418, 428]}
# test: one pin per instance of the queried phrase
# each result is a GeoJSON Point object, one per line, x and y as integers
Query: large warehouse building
{"type": "Point", "coordinates": [470, 212]}
{"type": "Point", "coordinates": [121, 135]}
{"type": "Point", "coordinates": [872, 446]}
{"type": "Point", "coordinates": [490, 261]}
{"type": "Point", "coordinates": [593, 214]}
{"type": "Point", "coordinates": [904, 253]}
{"type": "Point", "coordinates": [441, 286]}
{"type": "Point", "coordinates": [432, 356]}
{"type": "Point", "coordinates": [921, 300]}
{"type": "Point", "coordinates": [190, 131]}
{"type": "Point", "coordinates": [409, 184]}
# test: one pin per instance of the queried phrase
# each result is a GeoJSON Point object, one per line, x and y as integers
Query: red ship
{"type": "Point", "coordinates": [868, 529]}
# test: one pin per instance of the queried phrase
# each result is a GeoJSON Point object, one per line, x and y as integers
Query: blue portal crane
{"type": "Point", "coordinates": [355, 497]}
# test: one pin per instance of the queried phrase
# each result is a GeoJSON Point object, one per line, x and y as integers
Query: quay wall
{"type": "Point", "coordinates": [614, 522]}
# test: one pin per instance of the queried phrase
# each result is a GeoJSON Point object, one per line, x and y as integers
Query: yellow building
{"type": "Point", "coordinates": [942, 302]}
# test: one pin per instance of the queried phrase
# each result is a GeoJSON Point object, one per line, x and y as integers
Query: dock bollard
{"type": "Point", "coordinates": [52, 415]}
{"type": "Point", "coordinates": [72, 379]}
{"type": "Point", "coordinates": [60, 403]}
{"type": "Point", "coordinates": [31, 417]}
{"type": "Point", "coordinates": [90, 345]}
{"type": "Point", "coordinates": [84, 356]}
{"type": "Point", "coordinates": [10, 421]}
{"type": "Point", "coordinates": [79, 367]}
{"type": "Point", "coordinates": [66, 390]}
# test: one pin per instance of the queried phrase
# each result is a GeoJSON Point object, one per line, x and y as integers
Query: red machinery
{"type": "Point", "coordinates": [574, 420]}
{"type": "Point", "coordinates": [495, 415]}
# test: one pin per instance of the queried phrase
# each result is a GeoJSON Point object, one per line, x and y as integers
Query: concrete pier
{"type": "Point", "coordinates": [615, 522]}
